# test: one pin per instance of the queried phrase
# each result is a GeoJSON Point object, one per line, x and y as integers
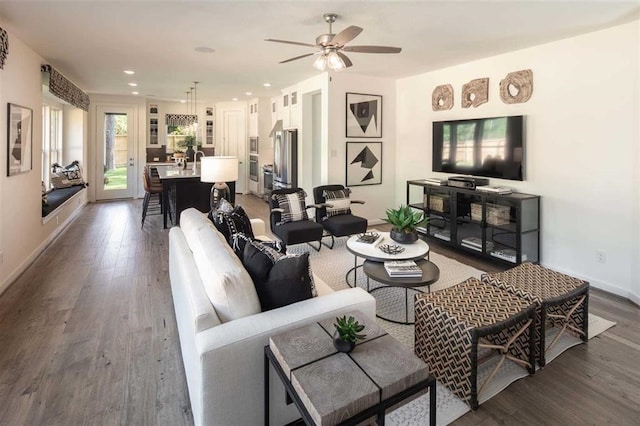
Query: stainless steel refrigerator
{"type": "Point", "coordinates": [285, 161]}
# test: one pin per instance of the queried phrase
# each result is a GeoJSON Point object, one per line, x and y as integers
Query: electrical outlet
{"type": "Point", "coordinates": [601, 256]}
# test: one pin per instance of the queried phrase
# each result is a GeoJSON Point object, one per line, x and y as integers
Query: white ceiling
{"type": "Point", "coordinates": [93, 41]}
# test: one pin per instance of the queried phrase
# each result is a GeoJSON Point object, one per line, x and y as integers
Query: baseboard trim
{"type": "Point", "coordinates": [11, 278]}
{"type": "Point", "coordinates": [601, 285]}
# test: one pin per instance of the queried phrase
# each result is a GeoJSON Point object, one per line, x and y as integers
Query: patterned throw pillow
{"type": "Point", "coordinates": [67, 176]}
{"type": "Point", "coordinates": [280, 280]}
{"type": "Point", "coordinates": [239, 241]}
{"type": "Point", "coordinates": [293, 205]}
{"type": "Point", "coordinates": [339, 201]}
{"type": "Point", "coordinates": [232, 223]}
{"type": "Point", "coordinates": [44, 195]}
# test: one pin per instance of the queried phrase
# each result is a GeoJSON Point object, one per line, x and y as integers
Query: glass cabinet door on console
{"type": "Point", "coordinates": [512, 226]}
{"type": "Point", "coordinates": [469, 222]}
{"type": "Point", "coordinates": [435, 203]}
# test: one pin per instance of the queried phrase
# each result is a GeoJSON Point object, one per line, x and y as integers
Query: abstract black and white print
{"type": "Point", "coordinates": [364, 116]}
{"type": "Point", "coordinates": [364, 163]}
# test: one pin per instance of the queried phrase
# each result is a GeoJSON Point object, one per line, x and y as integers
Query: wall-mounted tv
{"type": "Point", "coordinates": [491, 147]}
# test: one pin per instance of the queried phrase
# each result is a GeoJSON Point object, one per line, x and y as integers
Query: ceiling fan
{"type": "Point", "coordinates": [331, 47]}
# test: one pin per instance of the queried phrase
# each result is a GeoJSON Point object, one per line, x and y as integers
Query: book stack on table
{"type": "Point", "coordinates": [402, 268]}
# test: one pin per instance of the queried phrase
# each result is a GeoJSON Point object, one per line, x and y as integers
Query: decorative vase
{"type": "Point", "coordinates": [404, 237]}
{"type": "Point", "coordinates": [341, 345]}
{"type": "Point", "coordinates": [190, 153]}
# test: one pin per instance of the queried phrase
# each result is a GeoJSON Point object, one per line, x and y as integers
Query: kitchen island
{"type": "Point", "coordinates": [182, 188]}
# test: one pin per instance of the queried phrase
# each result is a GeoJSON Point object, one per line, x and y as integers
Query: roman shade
{"type": "Point", "coordinates": [181, 119]}
{"type": "Point", "coordinates": [64, 89]}
{"type": "Point", "coordinates": [4, 47]}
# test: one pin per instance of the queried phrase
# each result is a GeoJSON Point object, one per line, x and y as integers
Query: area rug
{"type": "Point", "coordinates": [332, 265]}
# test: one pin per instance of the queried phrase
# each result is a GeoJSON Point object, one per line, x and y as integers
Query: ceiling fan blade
{"type": "Point", "coordinates": [297, 57]}
{"type": "Point", "coordinates": [372, 49]}
{"type": "Point", "coordinates": [345, 59]}
{"type": "Point", "coordinates": [346, 35]}
{"type": "Point", "coordinates": [290, 42]}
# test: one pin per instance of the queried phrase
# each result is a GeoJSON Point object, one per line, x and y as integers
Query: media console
{"type": "Point", "coordinates": [502, 227]}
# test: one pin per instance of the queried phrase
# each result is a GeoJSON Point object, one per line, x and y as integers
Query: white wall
{"type": "Point", "coordinates": [378, 197]}
{"type": "Point", "coordinates": [582, 139]}
{"type": "Point", "coordinates": [23, 235]}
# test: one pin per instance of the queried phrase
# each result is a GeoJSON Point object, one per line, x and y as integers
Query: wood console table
{"type": "Point", "coordinates": [330, 387]}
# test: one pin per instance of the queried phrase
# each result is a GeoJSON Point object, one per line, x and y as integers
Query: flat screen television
{"type": "Point", "coordinates": [490, 147]}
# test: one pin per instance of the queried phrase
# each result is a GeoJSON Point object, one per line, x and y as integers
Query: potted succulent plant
{"type": "Point", "coordinates": [347, 333]}
{"type": "Point", "coordinates": [404, 221]}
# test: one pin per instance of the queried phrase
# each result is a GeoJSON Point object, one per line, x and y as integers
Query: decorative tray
{"type": "Point", "coordinates": [391, 248]}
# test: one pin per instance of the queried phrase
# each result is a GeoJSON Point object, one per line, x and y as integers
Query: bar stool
{"type": "Point", "coordinates": [151, 187]}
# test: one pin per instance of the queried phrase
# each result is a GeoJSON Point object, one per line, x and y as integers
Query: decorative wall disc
{"type": "Point", "coordinates": [517, 87]}
{"type": "Point", "coordinates": [475, 92]}
{"type": "Point", "coordinates": [442, 97]}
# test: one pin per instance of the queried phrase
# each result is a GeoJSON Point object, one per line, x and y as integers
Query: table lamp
{"type": "Point", "coordinates": [219, 170]}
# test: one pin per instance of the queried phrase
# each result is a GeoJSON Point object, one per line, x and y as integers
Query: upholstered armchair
{"type": "Point", "coordinates": [289, 219]}
{"type": "Point", "coordinates": [333, 212]}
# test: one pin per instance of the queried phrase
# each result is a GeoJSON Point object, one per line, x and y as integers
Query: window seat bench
{"type": "Point", "coordinates": [57, 197]}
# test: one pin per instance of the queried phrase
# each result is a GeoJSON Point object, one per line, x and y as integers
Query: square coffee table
{"type": "Point", "coordinates": [331, 388]}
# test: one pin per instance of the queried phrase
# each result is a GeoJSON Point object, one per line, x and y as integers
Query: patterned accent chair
{"type": "Point", "coordinates": [289, 219]}
{"type": "Point", "coordinates": [334, 212]}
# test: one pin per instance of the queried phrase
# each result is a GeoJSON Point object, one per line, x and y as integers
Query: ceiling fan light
{"type": "Point", "coordinates": [321, 63]}
{"type": "Point", "coordinates": [335, 62]}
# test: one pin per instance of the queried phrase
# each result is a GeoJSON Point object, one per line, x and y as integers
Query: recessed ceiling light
{"type": "Point", "coordinates": [129, 72]}
{"type": "Point", "coordinates": [133, 84]}
{"type": "Point", "coordinates": [135, 93]}
{"type": "Point", "coordinates": [182, 101]}
{"type": "Point", "coordinates": [234, 99]}
{"type": "Point", "coordinates": [204, 49]}
{"type": "Point", "coordinates": [248, 93]}
{"type": "Point", "coordinates": [267, 85]}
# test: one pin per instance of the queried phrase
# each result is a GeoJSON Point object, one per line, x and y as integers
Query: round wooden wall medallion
{"type": "Point", "coordinates": [517, 87]}
{"type": "Point", "coordinates": [475, 92]}
{"type": "Point", "coordinates": [442, 97]}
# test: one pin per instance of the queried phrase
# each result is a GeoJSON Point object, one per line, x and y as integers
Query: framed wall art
{"type": "Point", "coordinates": [364, 163]}
{"type": "Point", "coordinates": [19, 139]}
{"type": "Point", "coordinates": [364, 116]}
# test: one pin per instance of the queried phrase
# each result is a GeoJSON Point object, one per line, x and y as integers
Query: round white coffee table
{"type": "Point", "coordinates": [414, 251]}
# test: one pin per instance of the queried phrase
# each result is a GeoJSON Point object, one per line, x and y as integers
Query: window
{"type": "Point", "coordinates": [51, 140]}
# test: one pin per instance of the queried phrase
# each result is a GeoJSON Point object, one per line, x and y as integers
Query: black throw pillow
{"type": "Point", "coordinates": [232, 223]}
{"type": "Point", "coordinates": [239, 240]}
{"type": "Point", "coordinates": [279, 280]}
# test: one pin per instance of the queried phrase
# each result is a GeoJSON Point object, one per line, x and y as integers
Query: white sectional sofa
{"type": "Point", "coordinates": [223, 348]}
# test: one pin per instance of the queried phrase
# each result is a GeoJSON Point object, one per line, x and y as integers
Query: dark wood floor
{"type": "Point", "coordinates": [88, 336]}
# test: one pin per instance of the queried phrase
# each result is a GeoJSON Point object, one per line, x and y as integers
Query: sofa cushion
{"type": "Point", "coordinates": [280, 280]}
{"type": "Point", "coordinates": [226, 282]}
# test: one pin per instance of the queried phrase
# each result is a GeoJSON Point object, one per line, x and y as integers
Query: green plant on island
{"type": "Point", "coordinates": [404, 219]}
{"type": "Point", "coordinates": [189, 141]}
{"type": "Point", "coordinates": [348, 329]}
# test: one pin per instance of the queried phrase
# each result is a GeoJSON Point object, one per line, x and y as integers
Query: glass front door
{"type": "Point", "coordinates": [116, 161]}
